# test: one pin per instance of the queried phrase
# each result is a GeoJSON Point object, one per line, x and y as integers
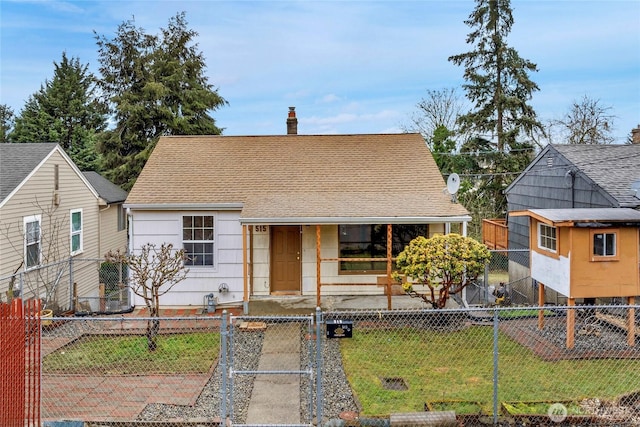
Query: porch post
{"type": "Point", "coordinates": [540, 304]}
{"type": "Point", "coordinates": [464, 228]}
{"type": "Point", "coordinates": [631, 324]}
{"type": "Point", "coordinates": [317, 265]}
{"type": "Point", "coordinates": [245, 299]}
{"type": "Point", "coordinates": [571, 322]}
{"type": "Point", "coordinates": [250, 262]}
{"type": "Point", "coordinates": [389, 255]}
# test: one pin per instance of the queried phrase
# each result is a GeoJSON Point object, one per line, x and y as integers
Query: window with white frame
{"type": "Point", "coordinates": [604, 244]}
{"type": "Point", "coordinates": [198, 239]}
{"type": "Point", "coordinates": [76, 231]}
{"type": "Point", "coordinates": [32, 241]}
{"type": "Point", "coordinates": [547, 238]}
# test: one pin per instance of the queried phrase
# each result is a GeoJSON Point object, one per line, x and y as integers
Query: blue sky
{"type": "Point", "coordinates": [347, 66]}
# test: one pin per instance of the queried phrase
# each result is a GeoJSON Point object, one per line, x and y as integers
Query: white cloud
{"type": "Point", "coordinates": [329, 98]}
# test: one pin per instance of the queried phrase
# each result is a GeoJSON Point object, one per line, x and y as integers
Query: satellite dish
{"type": "Point", "coordinates": [453, 185]}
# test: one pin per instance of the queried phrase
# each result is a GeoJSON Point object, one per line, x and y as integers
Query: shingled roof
{"type": "Point", "coordinates": [298, 178]}
{"type": "Point", "coordinates": [17, 161]}
{"type": "Point", "coordinates": [106, 189]}
{"type": "Point", "coordinates": [612, 167]}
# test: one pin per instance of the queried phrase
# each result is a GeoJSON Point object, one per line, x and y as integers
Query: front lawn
{"type": "Point", "coordinates": [458, 366]}
{"type": "Point", "coordinates": [128, 355]}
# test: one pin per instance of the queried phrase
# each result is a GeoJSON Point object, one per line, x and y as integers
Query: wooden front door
{"type": "Point", "coordinates": [285, 259]}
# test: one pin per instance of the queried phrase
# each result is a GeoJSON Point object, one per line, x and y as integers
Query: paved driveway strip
{"type": "Point", "coordinates": [119, 397]}
{"type": "Point", "coordinates": [115, 398]}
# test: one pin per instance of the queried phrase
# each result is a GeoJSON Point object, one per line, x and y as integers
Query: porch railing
{"type": "Point", "coordinates": [495, 233]}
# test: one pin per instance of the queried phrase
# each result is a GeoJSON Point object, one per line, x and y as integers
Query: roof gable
{"type": "Point", "coordinates": [612, 168]}
{"type": "Point", "coordinates": [297, 176]}
{"type": "Point", "coordinates": [19, 161]}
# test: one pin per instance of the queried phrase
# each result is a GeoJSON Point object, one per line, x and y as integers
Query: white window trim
{"type": "Point", "coordinates": [545, 248]}
{"type": "Point", "coordinates": [604, 257]}
{"type": "Point", "coordinates": [214, 241]}
{"type": "Point", "coordinates": [26, 220]}
{"type": "Point", "coordinates": [73, 232]}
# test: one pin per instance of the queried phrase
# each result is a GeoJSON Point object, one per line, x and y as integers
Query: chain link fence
{"type": "Point", "coordinates": [508, 366]}
{"type": "Point", "coordinates": [81, 286]}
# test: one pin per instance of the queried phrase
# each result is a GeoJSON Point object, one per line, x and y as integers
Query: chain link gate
{"type": "Point", "coordinates": [270, 370]}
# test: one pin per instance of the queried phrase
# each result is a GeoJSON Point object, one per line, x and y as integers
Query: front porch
{"type": "Point", "coordinates": [330, 262]}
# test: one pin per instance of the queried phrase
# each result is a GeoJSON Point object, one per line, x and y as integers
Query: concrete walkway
{"type": "Point", "coordinates": [276, 397]}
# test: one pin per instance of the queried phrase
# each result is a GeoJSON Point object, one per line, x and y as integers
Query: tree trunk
{"type": "Point", "coordinates": [153, 327]}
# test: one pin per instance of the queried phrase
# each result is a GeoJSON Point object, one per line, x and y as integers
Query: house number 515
{"type": "Point", "coordinates": [261, 228]}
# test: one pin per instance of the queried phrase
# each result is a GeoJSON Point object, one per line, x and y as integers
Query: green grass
{"type": "Point", "coordinates": [458, 366]}
{"type": "Point", "coordinates": [459, 406]}
{"type": "Point", "coordinates": [540, 408]}
{"type": "Point", "coordinates": [128, 355]}
{"type": "Point", "coordinates": [498, 276]}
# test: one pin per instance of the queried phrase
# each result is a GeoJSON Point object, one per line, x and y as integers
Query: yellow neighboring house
{"type": "Point", "coordinates": [52, 215]}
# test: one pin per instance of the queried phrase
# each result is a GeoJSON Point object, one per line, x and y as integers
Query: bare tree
{"type": "Point", "coordinates": [438, 108]}
{"type": "Point", "coordinates": [51, 257]}
{"type": "Point", "coordinates": [153, 273]}
{"type": "Point", "coordinates": [586, 122]}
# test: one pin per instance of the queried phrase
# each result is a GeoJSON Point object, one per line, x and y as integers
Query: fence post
{"type": "Point", "coordinates": [71, 291]}
{"type": "Point", "coordinates": [495, 366]}
{"type": "Point", "coordinates": [485, 291]}
{"type": "Point", "coordinates": [318, 366]}
{"type": "Point", "coordinates": [223, 366]}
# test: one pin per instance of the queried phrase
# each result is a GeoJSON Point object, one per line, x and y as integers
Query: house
{"type": "Point", "coordinates": [51, 215]}
{"type": "Point", "coordinates": [567, 177]}
{"type": "Point", "coordinates": [288, 214]}
{"type": "Point", "coordinates": [585, 253]}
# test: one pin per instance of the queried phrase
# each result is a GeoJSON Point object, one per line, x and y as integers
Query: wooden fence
{"type": "Point", "coordinates": [20, 363]}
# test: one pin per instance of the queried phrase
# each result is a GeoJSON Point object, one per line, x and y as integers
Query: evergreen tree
{"type": "Point", "coordinates": [65, 110]}
{"type": "Point", "coordinates": [497, 78]}
{"type": "Point", "coordinates": [6, 122]}
{"type": "Point", "coordinates": [443, 148]}
{"type": "Point", "coordinates": [156, 86]}
{"type": "Point", "coordinates": [499, 88]}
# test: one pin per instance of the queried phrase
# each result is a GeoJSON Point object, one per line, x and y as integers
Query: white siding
{"type": "Point", "coordinates": [261, 259]}
{"type": "Point", "coordinates": [160, 227]}
{"type": "Point", "coordinates": [166, 227]}
{"type": "Point", "coordinates": [553, 273]}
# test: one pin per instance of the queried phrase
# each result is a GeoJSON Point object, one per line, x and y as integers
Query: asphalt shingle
{"type": "Point", "coordinates": [298, 176]}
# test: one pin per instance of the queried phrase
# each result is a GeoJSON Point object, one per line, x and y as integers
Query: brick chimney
{"type": "Point", "coordinates": [635, 135]}
{"type": "Point", "coordinates": [292, 122]}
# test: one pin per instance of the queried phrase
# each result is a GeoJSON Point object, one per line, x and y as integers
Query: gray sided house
{"type": "Point", "coordinates": [51, 213]}
{"type": "Point", "coordinates": [288, 214]}
{"type": "Point", "coordinates": [571, 176]}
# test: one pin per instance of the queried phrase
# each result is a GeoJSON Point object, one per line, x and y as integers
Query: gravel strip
{"type": "Point", "coordinates": [208, 404]}
{"type": "Point", "coordinates": [337, 395]}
